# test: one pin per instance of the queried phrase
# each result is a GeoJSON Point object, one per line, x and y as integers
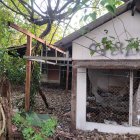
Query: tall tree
{"type": "Point", "coordinates": [47, 12]}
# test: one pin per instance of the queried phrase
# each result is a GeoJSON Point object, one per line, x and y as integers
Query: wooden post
{"type": "Point", "coordinates": [28, 74]}
{"type": "Point", "coordinates": [131, 99]}
{"type": "Point", "coordinates": [67, 75]}
{"type": "Point", "coordinates": [73, 98]}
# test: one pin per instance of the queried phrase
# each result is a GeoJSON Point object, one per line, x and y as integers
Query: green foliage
{"type": "Point", "coordinates": [35, 85]}
{"type": "Point", "coordinates": [111, 8]}
{"type": "Point", "coordinates": [12, 67]}
{"type": "Point", "coordinates": [133, 43]}
{"type": "Point", "coordinates": [40, 131]}
{"type": "Point", "coordinates": [107, 43]}
{"type": "Point", "coordinates": [10, 37]}
{"type": "Point", "coordinates": [48, 127]}
{"type": "Point", "coordinates": [91, 15]}
{"type": "Point", "coordinates": [16, 70]}
{"type": "Point", "coordinates": [35, 82]}
{"type": "Point", "coordinates": [111, 43]}
{"type": "Point", "coordinates": [28, 133]}
{"type": "Point", "coordinates": [111, 5]}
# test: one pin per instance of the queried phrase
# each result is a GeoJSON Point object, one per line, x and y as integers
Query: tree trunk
{"type": "Point", "coordinates": [5, 92]}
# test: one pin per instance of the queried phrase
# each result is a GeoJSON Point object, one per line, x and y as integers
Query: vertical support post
{"type": "Point", "coordinates": [67, 74]}
{"type": "Point", "coordinates": [73, 97]}
{"type": "Point", "coordinates": [56, 56]}
{"type": "Point", "coordinates": [41, 62]}
{"type": "Point", "coordinates": [131, 99]}
{"type": "Point", "coordinates": [28, 74]}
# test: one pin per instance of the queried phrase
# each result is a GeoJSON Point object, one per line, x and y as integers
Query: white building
{"type": "Point", "coordinates": [115, 68]}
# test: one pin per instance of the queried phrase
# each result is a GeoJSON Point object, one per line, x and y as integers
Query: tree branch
{"type": "Point", "coordinates": [32, 13]}
{"type": "Point", "coordinates": [18, 12]}
{"type": "Point", "coordinates": [47, 30]}
{"type": "Point", "coordinates": [26, 4]}
{"type": "Point", "coordinates": [41, 22]}
{"type": "Point", "coordinates": [66, 14]}
{"type": "Point", "coordinates": [57, 5]}
{"type": "Point", "coordinates": [64, 6]}
{"type": "Point", "coordinates": [25, 7]}
{"type": "Point", "coordinates": [54, 32]}
{"type": "Point", "coordinates": [39, 8]}
{"type": "Point", "coordinates": [53, 13]}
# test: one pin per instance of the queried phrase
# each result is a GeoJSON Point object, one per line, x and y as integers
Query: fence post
{"type": "Point", "coordinates": [131, 98]}
{"type": "Point", "coordinates": [28, 74]}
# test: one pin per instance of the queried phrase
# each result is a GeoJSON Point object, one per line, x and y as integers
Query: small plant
{"type": "Point", "coordinates": [107, 43]}
{"type": "Point", "coordinates": [133, 43]}
{"type": "Point", "coordinates": [48, 127]}
{"type": "Point", "coordinates": [33, 127]}
{"type": "Point", "coordinates": [114, 45]}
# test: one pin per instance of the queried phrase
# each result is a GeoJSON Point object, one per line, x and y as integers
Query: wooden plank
{"type": "Point", "coordinates": [33, 36]}
{"type": "Point", "coordinates": [47, 58]}
{"type": "Point", "coordinates": [73, 98]}
{"type": "Point", "coordinates": [131, 98]}
{"type": "Point", "coordinates": [28, 74]}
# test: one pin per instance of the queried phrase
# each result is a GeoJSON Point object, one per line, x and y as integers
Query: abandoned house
{"type": "Point", "coordinates": [106, 73]}
{"type": "Point", "coordinates": [54, 72]}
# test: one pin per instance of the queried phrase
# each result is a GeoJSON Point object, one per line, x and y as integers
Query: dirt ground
{"type": "Point", "coordinates": [58, 100]}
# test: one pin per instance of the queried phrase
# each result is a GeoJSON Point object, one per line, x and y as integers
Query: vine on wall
{"type": "Point", "coordinates": [113, 43]}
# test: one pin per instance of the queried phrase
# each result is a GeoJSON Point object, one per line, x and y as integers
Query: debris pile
{"type": "Point", "coordinates": [60, 102]}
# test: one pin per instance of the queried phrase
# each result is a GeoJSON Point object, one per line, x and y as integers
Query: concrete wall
{"type": "Point", "coordinates": [132, 26]}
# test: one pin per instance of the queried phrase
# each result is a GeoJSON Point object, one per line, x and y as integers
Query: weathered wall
{"type": "Point", "coordinates": [131, 24]}
{"type": "Point", "coordinates": [52, 76]}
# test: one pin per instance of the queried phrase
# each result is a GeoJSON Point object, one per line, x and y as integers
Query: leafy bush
{"type": "Point", "coordinates": [35, 82]}
{"type": "Point", "coordinates": [12, 67]}
{"type": "Point", "coordinates": [33, 127]}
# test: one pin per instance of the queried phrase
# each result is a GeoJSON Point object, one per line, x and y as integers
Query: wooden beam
{"type": "Point", "coordinates": [131, 98]}
{"type": "Point", "coordinates": [47, 58]}
{"type": "Point", "coordinates": [28, 74]}
{"type": "Point", "coordinates": [35, 37]}
{"type": "Point", "coordinates": [108, 64]}
{"type": "Point", "coordinates": [67, 74]}
{"type": "Point", "coordinates": [73, 97]}
{"type": "Point", "coordinates": [67, 78]}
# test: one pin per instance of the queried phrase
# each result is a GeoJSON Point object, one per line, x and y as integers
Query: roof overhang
{"type": "Point", "coordinates": [67, 41]}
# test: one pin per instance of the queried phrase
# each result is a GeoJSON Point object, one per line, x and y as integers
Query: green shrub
{"type": "Point", "coordinates": [33, 127]}
{"type": "Point", "coordinates": [12, 67]}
